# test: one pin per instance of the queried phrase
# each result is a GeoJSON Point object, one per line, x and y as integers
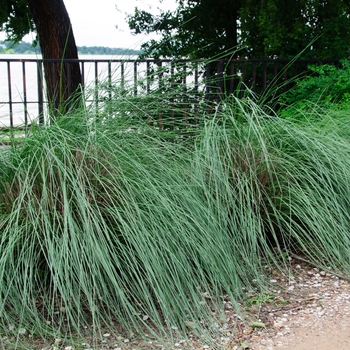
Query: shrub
{"type": "Point", "coordinates": [329, 86]}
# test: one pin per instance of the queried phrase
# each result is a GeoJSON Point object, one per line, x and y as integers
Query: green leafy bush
{"type": "Point", "coordinates": [328, 86]}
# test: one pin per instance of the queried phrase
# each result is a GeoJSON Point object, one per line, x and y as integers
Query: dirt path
{"type": "Point", "coordinates": [317, 315]}
{"type": "Point", "coordinates": [324, 335]}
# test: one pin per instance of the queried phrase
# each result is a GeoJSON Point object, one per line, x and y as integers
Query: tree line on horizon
{"type": "Point", "coordinates": [23, 47]}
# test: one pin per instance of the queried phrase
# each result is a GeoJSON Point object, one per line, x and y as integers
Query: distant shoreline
{"type": "Point", "coordinates": [26, 48]}
{"type": "Point", "coordinates": [37, 56]}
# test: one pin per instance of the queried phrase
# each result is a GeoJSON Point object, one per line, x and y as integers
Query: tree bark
{"type": "Point", "coordinates": [57, 41]}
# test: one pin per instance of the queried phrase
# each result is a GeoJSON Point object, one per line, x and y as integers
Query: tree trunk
{"type": "Point", "coordinates": [57, 41]}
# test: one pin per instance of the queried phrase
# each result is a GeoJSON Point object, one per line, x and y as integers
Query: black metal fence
{"type": "Point", "coordinates": [22, 88]}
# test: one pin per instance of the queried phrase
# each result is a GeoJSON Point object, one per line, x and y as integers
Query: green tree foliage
{"type": "Point", "coordinates": [15, 19]}
{"type": "Point", "coordinates": [264, 28]}
{"type": "Point", "coordinates": [195, 28]}
{"type": "Point", "coordinates": [275, 28]}
{"type": "Point", "coordinates": [328, 86]}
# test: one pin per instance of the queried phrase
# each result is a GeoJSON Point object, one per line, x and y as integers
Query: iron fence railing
{"type": "Point", "coordinates": [22, 88]}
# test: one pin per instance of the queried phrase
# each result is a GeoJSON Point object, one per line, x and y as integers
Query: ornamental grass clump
{"type": "Point", "coordinates": [107, 226]}
{"type": "Point", "coordinates": [107, 221]}
{"type": "Point", "coordinates": [314, 205]}
{"type": "Point", "coordinates": [282, 184]}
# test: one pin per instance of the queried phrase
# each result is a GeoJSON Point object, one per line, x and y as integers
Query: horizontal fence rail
{"type": "Point", "coordinates": [23, 93]}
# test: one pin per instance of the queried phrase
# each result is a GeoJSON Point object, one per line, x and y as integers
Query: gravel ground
{"type": "Point", "coordinates": [317, 315]}
{"type": "Point", "coordinates": [308, 309]}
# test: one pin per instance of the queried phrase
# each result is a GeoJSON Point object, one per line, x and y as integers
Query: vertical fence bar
{"type": "Point", "coordinates": [196, 94]}
{"type": "Point", "coordinates": [254, 76]}
{"type": "Point", "coordinates": [82, 80]}
{"type": "Point", "coordinates": [24, 81]}
{"type": "Point", "coordinates": [109, 87]}
{"type": "Point", "coordinates": [96, 87]}
{"type": "Point", "coordinates": [296, 68]}
{"type": "Point", "coordinates": [172, 84]}
{"type": "Point", "coordinates": [285, 77]}
{"type": "Point", "coordinates": [160, 75]}
{"type": "Point", "coordinates": [242, 79]}
{"type": "Point", "coordinates": [109, 68]}
{"type": "Point", "coordinates": [232, 77]}
{"type": "Point", "coordinates": [40, 92]}
{"type": "Point", "coordinates": [264, 76]}
{"type": "Point", "coordinates": [184, 80]}
{"type": "Point", "coordinates": [69, 75]}
{"type": "Point", "coordinates": [148, 70]}
{"type": "Point", "coordinates": [122, 74]}
{"type": "Point", "coordinates": [207, 82]}
{"type": "Point", "coordinates": [55, 90]}
{"type": "Point", "coordinates": [160, 85]}
{"type": "Point", "coordinates": [275, 69]}
{"type": "Point", "coordinates": [243, 72]}
{"type": "Point", "coordinates": [10, 92]}
{"type": "Point", "coordinates": [135, 78]}
{"type": "Point", "coordinates": [220, 80]}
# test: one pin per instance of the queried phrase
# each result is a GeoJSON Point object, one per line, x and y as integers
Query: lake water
{"type": "Point", "coordinates": [29, 84]}
{"type": "Point", "coordinates": [13, 85]}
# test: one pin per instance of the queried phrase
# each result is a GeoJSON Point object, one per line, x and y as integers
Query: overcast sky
{"type": "Point", "coordinates": [94, 21]}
